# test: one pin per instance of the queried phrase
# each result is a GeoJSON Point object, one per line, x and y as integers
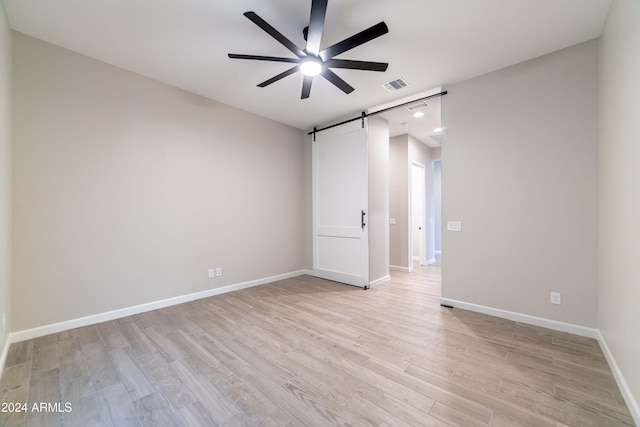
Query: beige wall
{"type": "Point", "coordinates": [5, 174]}
{"type": "Point", "coordinates": [378, 215]}
{"type": "Point", "coordinates": [520, 172]}
{"type": "Point", "coordinates": [619, 231]}
{"type": "Point", "coordinates": [127, 191]}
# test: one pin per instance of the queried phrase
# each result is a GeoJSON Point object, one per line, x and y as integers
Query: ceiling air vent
{"type": "Point", "coordinates": [395, 85]}
{"type": "Point", "coordinates": [417, 105]}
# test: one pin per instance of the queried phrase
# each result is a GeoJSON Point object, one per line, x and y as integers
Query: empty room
{"type": "Point", "coordinates": [319, 213]}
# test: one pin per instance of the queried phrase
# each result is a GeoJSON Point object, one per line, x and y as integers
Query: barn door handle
{"type": "Point", "coordinates": [362, 214]}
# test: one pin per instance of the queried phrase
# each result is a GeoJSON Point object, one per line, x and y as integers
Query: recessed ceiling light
{"type": "Point", "coordinates": [437, 130]}
{"type": "Point", "coordinates": [418, 114]}
{"type": "Point", "coordinates": [311, 67]}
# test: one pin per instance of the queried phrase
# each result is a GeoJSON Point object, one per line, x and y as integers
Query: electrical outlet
{"type": "Point", "coordinates": [556, 298]}
{"type": "Point", "coordinates": [218, 271]}
{"type": "Point", "coordinates": [211, 272]}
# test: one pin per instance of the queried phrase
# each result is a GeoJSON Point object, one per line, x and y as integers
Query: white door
{"type": "Point", "coordinates": [340, 200]}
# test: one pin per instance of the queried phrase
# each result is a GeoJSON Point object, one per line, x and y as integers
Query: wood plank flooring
{"type": "Point", "coordinates": [308, 352]}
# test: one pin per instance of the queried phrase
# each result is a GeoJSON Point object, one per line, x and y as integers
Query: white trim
{"type": "Point", "coordinates": [629, 399]}
{"type": "Point", "coordinates": [437, 252]}
{"type": "Point", "coordinates": [142, 308]}
{"type": "Point", "coordinates": [380, 281]}
{"type": "Point", "coordinates": [524, 318]}
{"type": "Point", "coordinates": [5, 354]}
{"type": "Point", "coordinates": [430, 261]}
{"type": "Point", "coordinates": [632, 403]}
{"type": "Point", "coordinates": [399, 268]}
{"type": "Point", "coordinates": [423, 199]}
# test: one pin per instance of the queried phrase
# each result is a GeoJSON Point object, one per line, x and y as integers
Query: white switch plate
{"type": "Point", "coordinates": [556, 298]}
{"type": "Point", "coordinates": [218, 271]}
{"type": "Point", "coordinates": [211, 272]}
{"type": "Point", "coordinates": [392, 221]}
{"type": "Point", "coordinates": [454, 226]}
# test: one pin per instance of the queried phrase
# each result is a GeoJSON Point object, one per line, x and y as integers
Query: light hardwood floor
{"type": "Point", "coordinates": [308, 352]}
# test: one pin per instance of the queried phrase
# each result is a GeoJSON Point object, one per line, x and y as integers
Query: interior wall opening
{"type": "Point", "coordinates": [414, 183]}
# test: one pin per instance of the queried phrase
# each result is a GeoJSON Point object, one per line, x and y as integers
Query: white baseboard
{"type": "Point", "coordinates": [416, 258]}
{"type": "Point", "coordinates": [524, 318]}
{"type": "Point", "coordinates": [629, 399]}
{"type": "Point", "coordinates": [399, 268]}
{"type": "Point", "coordinates": [437, 252]}
{"type": "Point", "coordinates": [430, 261]}
{"type": "Point", "coordinates": [380, 281]}
{"type": "Point", "coordinates": [18, 336]}
{"type": "Point", "coordinates": [142, 308]}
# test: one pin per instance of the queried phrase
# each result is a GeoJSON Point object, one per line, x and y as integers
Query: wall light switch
{"type": "Point", "coordinates": [392, 221]}
{"type": "Point", "coordinates": [218, 271]}
{"type": "Point", "coordinates": [211, 272]}
{"type": "Point", "coordinates": [556, 298]}
{"type": "Point", "coordinates": [454, 226]}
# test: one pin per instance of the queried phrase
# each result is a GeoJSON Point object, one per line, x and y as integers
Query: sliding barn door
{"type": "Point", "coordinates": [340, 231]}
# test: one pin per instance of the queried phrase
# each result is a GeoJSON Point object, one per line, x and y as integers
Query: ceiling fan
{"type": "Point", "coordinates": [312, 61]}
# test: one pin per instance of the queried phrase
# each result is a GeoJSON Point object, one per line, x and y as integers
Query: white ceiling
{"type": "Point", "coordinates": [431, 43]}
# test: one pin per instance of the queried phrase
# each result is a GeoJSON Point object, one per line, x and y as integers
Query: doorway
{"type": "Point", "coordinates": [417, 241]}
{"type": "Point", "coordinates": [437, 205]}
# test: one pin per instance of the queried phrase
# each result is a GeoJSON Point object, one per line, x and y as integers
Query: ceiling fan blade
{"type": "Point", "coordinates": [316, 25]}
{"type": "Point", "coordinates": [355, 40]}
{"type": "Point", "coordinates": [306, 87]}
{"type": "Point", "coordinates": [337, 81]}
{"type": "Point", "coordinates": [279, 76]}
{"type": "Point", "coordinates": [357, 65]}
{"type": "Point", "coordinates": [263, 58]}
{"type": "Point", "coordinates": [275, 33]}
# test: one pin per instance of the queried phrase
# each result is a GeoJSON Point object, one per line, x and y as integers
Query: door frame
{"type": "Point", "coordinates": [423, 202]}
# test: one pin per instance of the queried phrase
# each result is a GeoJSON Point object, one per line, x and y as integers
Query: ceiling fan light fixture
{"type": "Point", "coordinates": [312, 60]}
{"type": "Point", "coordinates": [311, 67]}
